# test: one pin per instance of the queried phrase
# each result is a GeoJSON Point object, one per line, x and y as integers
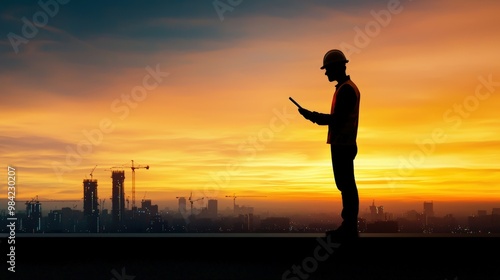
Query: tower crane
{"type": "Point", "coordinates": [234, 198]}
{"type": "Point", "coordinates": [91, 172]}
{"type": "Point", "coordinates": [191, 201]}
{"type": "Point", "coordinates": [35, 200]}
{"type": "Point", "coordinates": [133, 167]}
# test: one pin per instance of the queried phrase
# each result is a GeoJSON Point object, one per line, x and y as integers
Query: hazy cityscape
{"type": "Point", "coordinates": [127, 216]}
{"type": "Point", "coordinates": [148, 218]}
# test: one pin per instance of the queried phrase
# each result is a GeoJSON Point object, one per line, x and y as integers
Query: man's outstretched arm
{"type": "Point", "coordinates": [346, 99]}
{"type": "Point", "coordinates": [315, 117]}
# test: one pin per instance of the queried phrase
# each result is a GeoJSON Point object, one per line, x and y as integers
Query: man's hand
{"type": "Point", "coordinates": [307, 114]}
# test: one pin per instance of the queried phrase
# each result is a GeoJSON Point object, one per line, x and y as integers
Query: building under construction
{"type": "Point", "coordinates": [91, 204]}
{"type": "Point", "coordinates": [118, 198]}
{"type": "Point", "coordinates": [33, 221]}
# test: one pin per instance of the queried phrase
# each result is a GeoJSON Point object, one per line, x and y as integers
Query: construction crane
{"type": "Point", "coordinates": [234, 198]}
{"type": "Point", "coordinates": [35, 200]}
{"type": "Point", "coordinates": [133, 167]}
{"type": "Point", "coordinates": [91, 172]}
{"type": "Point", "coordinates": [191, 201]}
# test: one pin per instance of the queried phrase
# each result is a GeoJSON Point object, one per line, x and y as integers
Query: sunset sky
{"type": "Point", "coordinates": [198, 91]}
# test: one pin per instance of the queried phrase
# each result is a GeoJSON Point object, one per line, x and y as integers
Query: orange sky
{"type": "Point", "coordinates": [220, 121]}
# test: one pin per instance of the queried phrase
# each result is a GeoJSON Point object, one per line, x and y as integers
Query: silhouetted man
{"type": "Point", "coordinates": [342, 133]}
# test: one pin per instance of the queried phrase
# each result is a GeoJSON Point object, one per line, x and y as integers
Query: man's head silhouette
{"type": "Point", "coordinates": [334, 63]}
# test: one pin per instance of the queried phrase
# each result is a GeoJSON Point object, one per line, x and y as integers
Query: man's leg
{"type": "Point", "coordinates": [343, 171]}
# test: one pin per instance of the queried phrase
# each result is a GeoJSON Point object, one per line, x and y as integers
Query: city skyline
{"type": "Point", "coordinates": [228, 204]}
{"type": "Point", "coordinates": [148, 218]}
{"type": "Point", "coordinates": [201, 97]}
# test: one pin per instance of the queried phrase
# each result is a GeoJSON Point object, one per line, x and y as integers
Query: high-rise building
{"type": "Point", "coordinates": [212, 209]}
{"type": "Point", "coordinates": [54, 221]}
{"type": "Point", "coordinates": [90, 204]}
{"type": "Point", "coordinates": [373, 210]}
{"type": "Point", "coordinates": [33, 216]}
{"type": "Point", "coordinates": [376, 213]}
{"type": "Point", "coordinates": [182, 205]}
{"type": "Point", "coordinates": [148, 208]}
{"type": "Point", "coordinates": [380, 212]}
{"type": "Point", "coordinates": [428, 211]}
{"type": "Point", "coordinates": [429, 208]}
{"type": "Point", "coordinates": [118, 197]}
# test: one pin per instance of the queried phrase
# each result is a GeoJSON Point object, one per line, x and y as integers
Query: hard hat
{"type": "Point", "coordinates": [333, 56]}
